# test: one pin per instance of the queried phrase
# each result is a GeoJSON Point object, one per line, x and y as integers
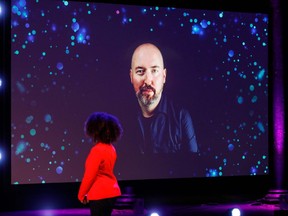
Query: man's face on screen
{"type": "Point", "coordinates": [147, 74]}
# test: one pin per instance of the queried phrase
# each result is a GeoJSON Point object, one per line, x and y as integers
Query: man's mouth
{"type": "Point", "coordinates": [147, 90]}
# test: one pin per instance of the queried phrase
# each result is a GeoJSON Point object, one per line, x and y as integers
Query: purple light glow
{"type": "Point", "coordinates": [278, 95]}
{"type": "Point", "coordinates": [278, 134]}
{"type": "Point", "coordinates": [66, 212]}
{"type": "Point", "coordinates": [279, 122]}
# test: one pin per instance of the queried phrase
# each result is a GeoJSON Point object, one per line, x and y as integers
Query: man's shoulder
{"type": "Point", "coordinates": [172, 104]}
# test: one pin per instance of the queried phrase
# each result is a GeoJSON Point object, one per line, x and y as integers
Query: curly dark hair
{"type": "Point", "coordinates": [103, 127]}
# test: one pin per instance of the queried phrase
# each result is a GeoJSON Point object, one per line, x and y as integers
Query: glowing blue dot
{"type": "Point", "coordinates": [253, 170]}
{"type": "Point", "coordinates": [32, 132]}
{"type": "Point", "coordinates": [221, 15]}
{"type": "Point", "coordinates": [240, 100]}
{"type": "Point", "coordinates": [261, 127]}
{"type": "Point", "coordinates": [185, 14]}
{"type": "Point", "coordinates": [261, 74]}
{"type": "Point", "coordinates": [59, 170]}
{"type": "Point", "coordinates": [21, 147]}
{"type": "Point", "coordinates": [47, 118]}
{"type": "Point", "coordinates": [231, 147]}
{"type": "Point", "coordinates": [254, 99]}
{"type": "Point", "coordinates": [195, 29]}
{"type": "Point", "coordinates": [14, 9]}
{"type": "Point", "coordinates": [59, 66]}
{"type": "Point", "coordinates": [75, 27]}
{"type": "Point", "coordinates": [251, 87]}
{"type": "Point", "coordinates": [81, 37]}
{"type": "Point", "coordinates": [29, 119]}
{"type": "Point", "coordinates": [231, 53]}
{"type": "Point", "coordinates": [31, 38]}
{"type": "Point", "coordinates": [213, 172]}
{"type": "Point", "coordinates": [54, 27]}
{"type": "Point", "coordinates": [204, 24]}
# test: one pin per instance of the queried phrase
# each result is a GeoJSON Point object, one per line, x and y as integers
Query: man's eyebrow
{"type": "Point", "coordinates": [139, 67]}
{"type": "Point", "coordinates": [155, 66]}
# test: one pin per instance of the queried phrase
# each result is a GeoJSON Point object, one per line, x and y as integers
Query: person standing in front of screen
{"type": "Point", "coordinates": [99, 186]}
{"type": "Point", "coordinates": [165, 126]}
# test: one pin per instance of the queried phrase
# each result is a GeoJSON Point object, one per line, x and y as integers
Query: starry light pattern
{"type": "Point", "coordinates": [63, 50]}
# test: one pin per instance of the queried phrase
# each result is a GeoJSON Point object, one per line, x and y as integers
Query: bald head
{"type": "Point", "coordinates": [147, 52]}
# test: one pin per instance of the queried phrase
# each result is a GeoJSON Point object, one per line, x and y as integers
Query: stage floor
{"type": "Point", "coordinates": [247, 209]}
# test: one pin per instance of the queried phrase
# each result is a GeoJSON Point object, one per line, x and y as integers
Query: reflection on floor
{"type": "Point", "coordinates": [247, 209]}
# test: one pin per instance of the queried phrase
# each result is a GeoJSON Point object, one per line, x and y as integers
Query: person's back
{"type": "Point", "coordinates": [104, 182]}
{"type": "Point", "coordinates": [99, 186]}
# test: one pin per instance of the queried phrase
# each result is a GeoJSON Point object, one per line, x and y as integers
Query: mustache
{"type": "Point", "coordinates": [147, 87]}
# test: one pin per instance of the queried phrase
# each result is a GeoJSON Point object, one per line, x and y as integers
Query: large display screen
{"type": "Point", "coordinates": [70, 58]}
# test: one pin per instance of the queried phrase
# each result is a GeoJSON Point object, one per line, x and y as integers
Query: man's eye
{"type": "Point", "coordinates": [154, 71]}
{"type": "Point", "coordinates": [140, 72]}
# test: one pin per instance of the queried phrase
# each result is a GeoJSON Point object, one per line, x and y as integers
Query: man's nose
{"type": "Point", "coordinates": [148, 79]}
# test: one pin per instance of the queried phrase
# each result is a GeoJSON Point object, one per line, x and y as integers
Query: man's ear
{"type": "Point", "coordinates": [164, 74]}
{"type": "Point", "coordinates": [130, 74]}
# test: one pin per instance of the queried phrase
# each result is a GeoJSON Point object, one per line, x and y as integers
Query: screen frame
{"type": "Point", "coordinates": [195, 185]}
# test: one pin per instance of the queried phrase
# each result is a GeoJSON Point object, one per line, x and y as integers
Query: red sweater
{"type": "Point", "coordinates": [99, 181]}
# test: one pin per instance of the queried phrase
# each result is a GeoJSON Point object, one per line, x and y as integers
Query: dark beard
{"type": "Point", "coordinates": [145, 100]}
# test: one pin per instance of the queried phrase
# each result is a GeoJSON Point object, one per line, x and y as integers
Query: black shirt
{"type": "Point", "coordinates": [169, 130]}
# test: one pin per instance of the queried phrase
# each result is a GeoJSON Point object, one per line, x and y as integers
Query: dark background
{"type": "Point", "coordinates": [203, 188]}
